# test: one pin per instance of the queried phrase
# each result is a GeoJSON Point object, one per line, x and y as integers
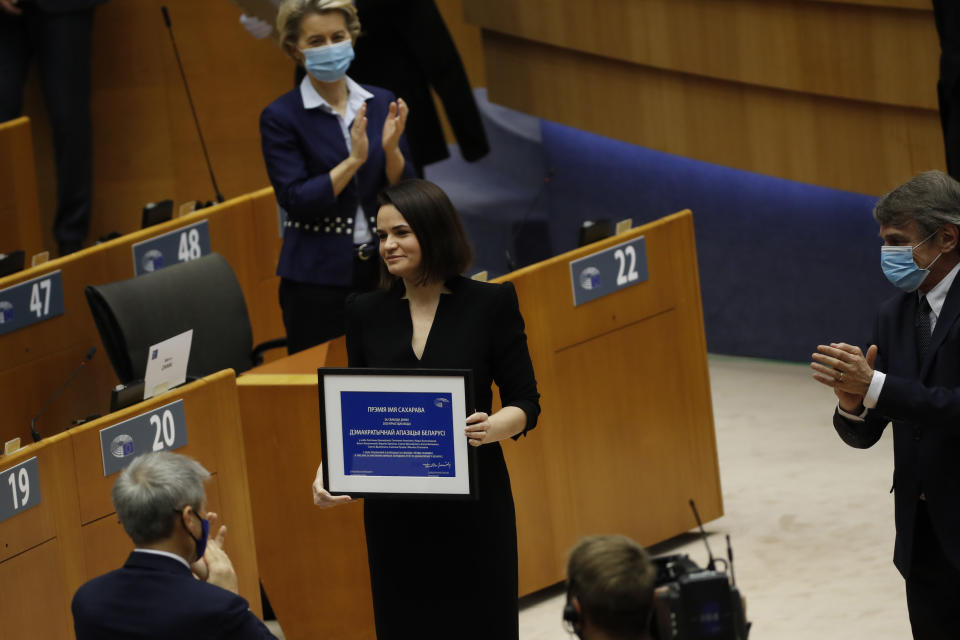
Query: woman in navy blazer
{"type": "Point", "coordinates": [330, 146]}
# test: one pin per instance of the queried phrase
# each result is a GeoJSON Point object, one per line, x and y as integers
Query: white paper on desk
{"type": "Point", "coordinates": [167, 364]}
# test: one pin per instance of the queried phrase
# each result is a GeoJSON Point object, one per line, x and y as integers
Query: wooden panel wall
{"type": "Point", "coordinates": [145, 144]}
{"type": "Point", "coordinates": [900, 4]}
{"type": "Point", "coordinates": [331, 559]}
{"type": "Point", "coordinates": [836, 94]}
{"type": "Point", "coordinates": [19, 211]}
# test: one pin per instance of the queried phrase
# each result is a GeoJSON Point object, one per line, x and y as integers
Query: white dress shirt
{"type": "Point", "coordinates": [935, 298]}
{"type": "Point", "coordinates": [167, 554]}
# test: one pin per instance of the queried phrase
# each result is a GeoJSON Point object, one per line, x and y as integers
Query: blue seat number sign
{"type": "Point", "coordinates": [19, 488]}
{"type": "Point", "coordinates": [162, 428]}
{"type": "Point", "coordinates": [180, 245]}
{"type": "Point", "coordinates": [604, 272]}
{"type": "Point", "coordinates": [31, 302]}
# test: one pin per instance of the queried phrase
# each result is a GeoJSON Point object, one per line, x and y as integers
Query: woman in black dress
{"type": "Point", "coordinates": [443, 569]}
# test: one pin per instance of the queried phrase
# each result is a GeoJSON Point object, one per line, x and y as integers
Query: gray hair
{"type": "Point", "coordinates": [152, 488]}
{"type": "Point", "coordinates": [931, 199]}
{"type": "Point", "coordinates": [291, 13]}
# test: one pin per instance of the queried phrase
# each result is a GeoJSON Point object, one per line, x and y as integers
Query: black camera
{"type": "Point", "coordinates": [691, 603]}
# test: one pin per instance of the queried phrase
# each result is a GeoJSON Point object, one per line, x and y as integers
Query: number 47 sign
{"type": "Point", "coordinates": [180, 245]}
{"type": "Point", "coordinates": [31, 302]}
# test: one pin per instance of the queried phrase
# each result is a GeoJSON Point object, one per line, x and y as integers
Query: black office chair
{"type": "Point", "coordinates": [203, 295]}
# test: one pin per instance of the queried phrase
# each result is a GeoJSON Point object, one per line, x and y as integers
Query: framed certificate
{"type": "Point", "coordinates": [397, 433]}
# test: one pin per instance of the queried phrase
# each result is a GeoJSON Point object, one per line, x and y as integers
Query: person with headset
{"type": "Point", "coordinates": [610, 589]}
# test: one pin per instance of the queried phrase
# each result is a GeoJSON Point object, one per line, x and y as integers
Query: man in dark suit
{"type": "Point", "coordinates": [910, 375]}
{"type": "Point", "coordinates": [158, 593]}
{"type": "Point", "coordinates": [59, 34]}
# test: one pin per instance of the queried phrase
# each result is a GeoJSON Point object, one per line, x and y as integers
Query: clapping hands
{"type": "Point", "coordinates": [394, 125]}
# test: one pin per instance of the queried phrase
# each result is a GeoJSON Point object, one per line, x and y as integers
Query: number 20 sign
{"type": "Point", "coordinates": [162, 428]}
{"type": "Point", "coordinates": [604, 272]}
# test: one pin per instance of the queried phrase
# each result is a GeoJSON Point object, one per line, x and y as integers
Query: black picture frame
{"type": "Point", "coordinates": [468, 403]}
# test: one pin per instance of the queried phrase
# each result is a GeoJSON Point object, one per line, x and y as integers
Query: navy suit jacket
{"type": "Point", "coordinates": [922, 399]}
{"type": "Point", "coordinates": [157, 597]}
{"type": "Point", "coordinates": [300, 147]}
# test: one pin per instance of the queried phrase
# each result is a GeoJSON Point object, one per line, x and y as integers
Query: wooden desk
{"type": "Point", "coordinates": [625, 439]}
{"type": "Point", "coordinates": [35, 360]}
{"type": "Point", "coordinates": [73, 535]}
{"type": "Point", "coordinates": [323, 589]}
{"type": "Point", "coordinates": [19, 209]}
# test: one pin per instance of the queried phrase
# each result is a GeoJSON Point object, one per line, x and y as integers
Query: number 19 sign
{"type": "Point", "coordinates": [180, 245]}
{"type": "Point", "coordinates": [19, 488]}
{"type": "Point", "coordinates": [604, 272]}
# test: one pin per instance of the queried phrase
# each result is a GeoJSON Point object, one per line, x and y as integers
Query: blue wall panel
{"type": "Point", "coordinates": [783, 265]}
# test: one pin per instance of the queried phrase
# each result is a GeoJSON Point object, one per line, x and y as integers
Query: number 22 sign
{"type": "Point", "coordinates": [604, 272]}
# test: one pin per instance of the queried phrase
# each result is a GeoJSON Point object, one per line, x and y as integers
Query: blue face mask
{"type": "Point", "coordinates": [901, 269]}
{"type": "Point", "coordinates": [200, 544]}
{"type": "Point", "coordinates": [329, 63]}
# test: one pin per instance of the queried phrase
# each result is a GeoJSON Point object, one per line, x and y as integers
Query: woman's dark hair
{"type": "Point", "coordinates": [444, 249]}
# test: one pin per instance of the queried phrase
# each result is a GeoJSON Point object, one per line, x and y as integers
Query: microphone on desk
{"type": "Point", "coordinates": [33, 420]}
{"type": "Point", "coordinates": [196, 121]}
{"type": "Point", "coordinates": [711, 565]}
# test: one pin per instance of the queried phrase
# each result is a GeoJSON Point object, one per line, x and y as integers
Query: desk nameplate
{"type": "Point", "coordinates": [19, 488]}
{"type": "Point", "coordinates": [162, 428]}
{"type": "Point", "coordinates": [612, 269]}
{"type": "Point", "coordinates": [31, 302]}
{"type": "Point", "coordinates": [180, 245]}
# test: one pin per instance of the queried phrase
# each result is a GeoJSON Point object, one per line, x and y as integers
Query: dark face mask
{"type": "Point", "coordinates": [201, 542]}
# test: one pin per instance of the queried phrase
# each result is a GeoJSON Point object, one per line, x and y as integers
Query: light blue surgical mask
{"type": "Point", "coordinates": [901, 269]}
{"type": "Point", "coordinates": [328, 63]}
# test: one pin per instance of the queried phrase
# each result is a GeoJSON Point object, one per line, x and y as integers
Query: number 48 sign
{"type": "Point", "coordinates": [180, 245]}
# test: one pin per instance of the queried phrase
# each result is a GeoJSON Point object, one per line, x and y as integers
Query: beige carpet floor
{"type": "Point", "coordinates": [811, 519]}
